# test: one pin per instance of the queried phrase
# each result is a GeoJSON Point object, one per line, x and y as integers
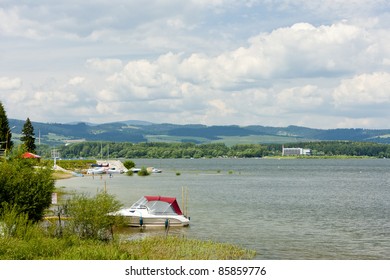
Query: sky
{"type": "Point", "coordinates": [319, 64]}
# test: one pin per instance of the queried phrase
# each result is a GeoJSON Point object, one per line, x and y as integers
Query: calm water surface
{"type": "Point", "coordinates": [283, 209]}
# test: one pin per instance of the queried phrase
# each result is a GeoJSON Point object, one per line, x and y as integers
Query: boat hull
{"type": "Point", "coordinates": [136, 221]}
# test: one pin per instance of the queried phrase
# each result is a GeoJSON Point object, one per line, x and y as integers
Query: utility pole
{"type": "Point", "coordinates": [55, 154]}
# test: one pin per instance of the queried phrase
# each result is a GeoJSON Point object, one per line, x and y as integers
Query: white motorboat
{"type": "Point", "coordinates": [114, 170]}
{"type": "Point", "coordinates": [96, 170]}
{"type": "Point", "coordinates": [154, 211]}
{"type": "Point", "coordinates": [135, 170]}
{"type": "Point", "coordinates": [155, 170]}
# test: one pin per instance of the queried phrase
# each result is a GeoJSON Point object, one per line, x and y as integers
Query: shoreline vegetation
{"type": "Point", "coordinates": [95, 150]}
{"type": "Point", "coordinates": [40, 247]}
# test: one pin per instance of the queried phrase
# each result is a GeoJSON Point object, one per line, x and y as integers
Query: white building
{"type": "Point", "coordinates": [295, 152]}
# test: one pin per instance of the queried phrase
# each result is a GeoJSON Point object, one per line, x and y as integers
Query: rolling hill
{"type": "Point", "coordinates": [139, 131]}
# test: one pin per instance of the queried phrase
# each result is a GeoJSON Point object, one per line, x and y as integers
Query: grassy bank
{"type": "Point", "coordinates": [152, 248]}
{"type": "Point", "coordinates": [59, 175]}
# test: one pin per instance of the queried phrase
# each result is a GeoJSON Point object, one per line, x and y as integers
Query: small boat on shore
{"type": "Point", "coordinates": [155, 170]}
{"type": "Point", "coordinates": [135, 170]}
{"type": "Point", "coordinates": [96, 170]}
{"type": "Point", "coordinates": [154, 211]}
{"type": "Point", "coordinates": [114, 170]}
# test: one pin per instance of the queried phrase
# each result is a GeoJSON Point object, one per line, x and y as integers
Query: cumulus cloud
{"type": "Point", "coordinates": [301, 50]}
{"type": "Point", "coordinates": [363, 90]}
{"type": "Point", "coordinates": [76, 81]}
{"type": "Point", "coordinates": [12, 24]}
{"type": "Point", "coordinates": [7, 83]}
{"type": "Point", "coordinates": [300, 99]}
{"type": "Point", "coordinates": [214, 62]}
{"type": "Point", "coordinates": [228, 84]}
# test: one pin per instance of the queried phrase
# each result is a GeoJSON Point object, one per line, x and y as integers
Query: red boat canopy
{"type": "Point", "coordinates": [171, 200]}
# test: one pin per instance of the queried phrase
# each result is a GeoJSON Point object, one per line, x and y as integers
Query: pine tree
{"type": "Point", "coordinates": [28, 138]}
{"type": "Point", "coordinates": [5, 131]}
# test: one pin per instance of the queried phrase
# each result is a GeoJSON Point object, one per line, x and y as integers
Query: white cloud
{"type": "Point", "coordinates": [301, 50]}
{"type": "Point", "coordinates": [7, 83]}
{"type": "Point", "coordinates": [363, 90]}
{"type": "Point", "coordinates": [104, 65]}
{"type": "Point", "coordinates": [76, 81]}
{"type": "Point", "coordinates": [12, 24]}
{"type": "Point", "coordinates": [304, 98]}
{"type": "Point", "coordinates": [335, 8]}
{"type": "Point", "coordinates": [214, 62]}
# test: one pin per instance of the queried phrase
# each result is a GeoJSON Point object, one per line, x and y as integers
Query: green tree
{"type": "Point", "coordinates": [26, 187]}
{"type": "Point", "coordinates": [5, 131]}
{"type": "Point", "coordinates": [28, 138]}
{"type": "Point", "coordinates": [129, 164]}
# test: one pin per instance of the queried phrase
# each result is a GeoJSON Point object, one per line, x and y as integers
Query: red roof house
{"type": "Point", "coordinates": [30, 155]}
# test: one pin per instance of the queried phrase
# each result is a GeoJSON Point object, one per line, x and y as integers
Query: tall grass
{"type": "Point", "coordinates": [180, 248]}
{"type": "Point", "coordinates": [151, 248]}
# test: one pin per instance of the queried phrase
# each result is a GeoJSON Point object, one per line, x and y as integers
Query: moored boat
{"type": "Point", "coordinates": [96, 170]}
{"type": "Point", "coordinates": [154, 211]}
{"type": "Point", "coordinates": [114, 170]}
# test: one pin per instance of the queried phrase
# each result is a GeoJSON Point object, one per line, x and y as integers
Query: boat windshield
{"type": "Point", "coordinates": [140, 204]}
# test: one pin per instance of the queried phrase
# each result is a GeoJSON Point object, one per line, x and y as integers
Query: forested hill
{"type": "Point", "coordinates": [139, 131]}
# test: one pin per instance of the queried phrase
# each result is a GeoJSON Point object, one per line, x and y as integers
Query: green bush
{"type": "Point", "coordinates": [129, 164]}
{"type": "Point", "coordinates": [143, 172]}
{"type": "Point", "coordinates": [89, 219]}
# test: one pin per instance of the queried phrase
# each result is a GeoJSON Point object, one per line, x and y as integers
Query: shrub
{"type": "Point", "coordinates": [15, 223]}
{"type": "Point", "coordinates": [26, 186]}
{"type": "Point", "coordinates": [89, 216]}
{"type": "Point", "coordinates": [129, 164]}
{"type": "Point", "coordinates": [143, 172]}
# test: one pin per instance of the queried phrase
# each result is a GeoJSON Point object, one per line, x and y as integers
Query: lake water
{"type": "Point", "coordinates": [283, 209]}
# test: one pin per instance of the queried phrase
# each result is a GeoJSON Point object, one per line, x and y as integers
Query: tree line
{"type": "Point", "coordinates": [106, 150]}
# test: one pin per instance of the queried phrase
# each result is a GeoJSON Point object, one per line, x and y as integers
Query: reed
{"type": "Point", "coordinates": [180, 248]}
{"type": "Point", "coordinates": [152, 248]}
